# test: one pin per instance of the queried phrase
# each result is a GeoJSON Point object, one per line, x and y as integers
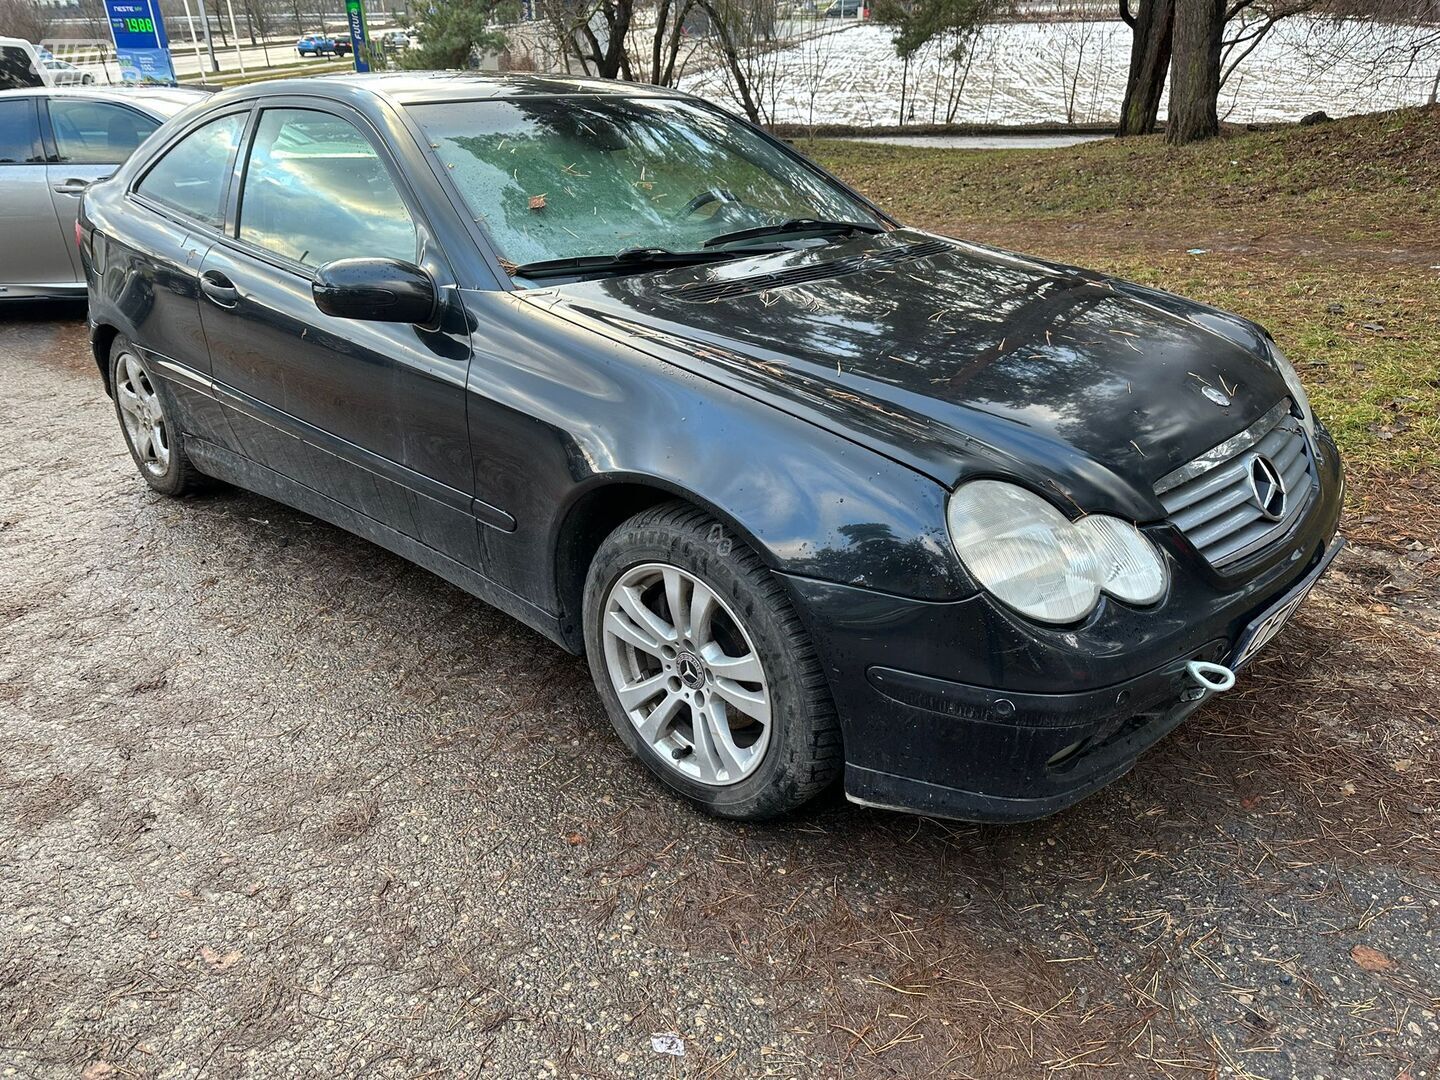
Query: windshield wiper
{"type": "Point", "coordinates": [641, 258]}
{"type": "Point", "coordinates": [792, 225]}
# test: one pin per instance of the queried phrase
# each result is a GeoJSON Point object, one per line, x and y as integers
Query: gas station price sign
{"type": "Point", "coordinates": [141, 46]}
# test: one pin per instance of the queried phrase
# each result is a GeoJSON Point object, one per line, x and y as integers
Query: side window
{"type": "Point", "coordinates": [19, 138]}
{"type": "Point", "coordinates": [190, 177]}
{"type": "Point", "coordinates": [316, 190]}
{"type": "Point", "coordinates": [17, 69]}
{"type": "Point", "coordinates": [96, 133]}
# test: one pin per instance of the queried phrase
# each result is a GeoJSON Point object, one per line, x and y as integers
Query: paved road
{"type": "Point", "coordinates": [273, 802]}
{"type": "Point", "coordinates": [254, 59]}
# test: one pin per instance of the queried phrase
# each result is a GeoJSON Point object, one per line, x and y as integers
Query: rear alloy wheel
{"type": "Point", "coordinates": [145, 412]}
{"type": "Point", "coordinates": [705, 670]}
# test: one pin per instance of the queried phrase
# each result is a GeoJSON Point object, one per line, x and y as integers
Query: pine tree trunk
{"type": "Point", "coordinates": [1149, 65]}
{"type": "Point", "coordinates": [1195, 71]}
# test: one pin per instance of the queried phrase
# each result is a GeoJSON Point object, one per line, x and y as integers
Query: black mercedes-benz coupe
{"type": "Point", "coordinates": [816, 493]}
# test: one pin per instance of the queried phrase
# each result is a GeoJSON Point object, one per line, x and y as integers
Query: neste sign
{"type": "Point", "coordinates": [141, 46]}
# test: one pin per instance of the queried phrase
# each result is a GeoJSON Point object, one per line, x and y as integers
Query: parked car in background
{"type": "Point", "coordinates": [22, 64]}
{"type": "Point", "coordinates": [819, 495]}
{"type": "Point", "coordinates": [54, 141]}
{"type": "Point", "coordinates": [64, 73]}
{"type": "Point", "coordinates": [394, 40]}
{"type": "Point", "coordinates": [322, 45]}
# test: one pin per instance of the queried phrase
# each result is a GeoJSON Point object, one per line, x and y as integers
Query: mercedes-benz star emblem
{"type": "Point", "coordinates": [1219, 397]}
{"type": "Point", "coordinates": [1268, 487]}
{"type": "Point", "coordinates": [692, 671]}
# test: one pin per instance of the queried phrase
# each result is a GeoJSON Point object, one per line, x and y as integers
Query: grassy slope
{"type": "Point", "coordinates": [1328, 235]}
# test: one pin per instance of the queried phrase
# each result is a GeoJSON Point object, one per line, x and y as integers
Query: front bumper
{"type": "Point", "coordinates": [1044, 716]}
{"type": "Point", "coordinates": [1024, 755]}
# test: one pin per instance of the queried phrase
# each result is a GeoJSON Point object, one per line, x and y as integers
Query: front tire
{"type": "Point", "coordinates": [705, 670]}
{"type": "Point", "coordinates": [148, 421]}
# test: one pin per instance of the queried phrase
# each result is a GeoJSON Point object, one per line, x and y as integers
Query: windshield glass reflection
{"type": "Point", "coordinates": [562, 177]}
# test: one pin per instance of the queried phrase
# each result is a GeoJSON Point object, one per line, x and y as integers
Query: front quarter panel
{"type": "Point", "coordinates": [557, 411]}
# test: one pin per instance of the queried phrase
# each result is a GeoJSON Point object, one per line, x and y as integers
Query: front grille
{"type": "Point", "coordinates": [703, 292]}
{"type": "Point", "coordinates": [1216, 500]}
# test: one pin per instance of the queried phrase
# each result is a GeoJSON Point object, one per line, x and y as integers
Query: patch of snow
{"type": "Point", "coordinates": [1064, 72]}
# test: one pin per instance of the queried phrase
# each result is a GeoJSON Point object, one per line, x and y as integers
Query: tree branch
{"type": "Point", "coordinates": [1260, 36]}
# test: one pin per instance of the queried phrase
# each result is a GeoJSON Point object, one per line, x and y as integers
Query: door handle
{"type": "Point", "coordinates": [76, 187]}
{"type": "Point", "coordinates": [219, 288]}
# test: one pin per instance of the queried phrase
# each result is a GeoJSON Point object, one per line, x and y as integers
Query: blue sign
{"type": "Point", "coordinates": [355, 16]}
{"type": "Point", "coordinates": [141, 46]}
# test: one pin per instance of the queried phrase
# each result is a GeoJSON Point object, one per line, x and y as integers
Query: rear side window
{"type": "Point", "coordinates": [190, 176]}
{"type": "Point", "coordinates": [17, 69]}
{"type": "Point", "coordinates": [316, 190]}
{"type": "Point", "coordinates": [97, 133]}
{"type": "Point", "coordinates": [19, 138]}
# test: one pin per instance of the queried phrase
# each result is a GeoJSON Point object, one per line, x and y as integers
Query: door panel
{"type": "Point", "coordinates": [67, 183]}
{"type": "Point", "coordinates": [370, 413]}
{"type": "Point", "coordinates": [150, 268]}
{"type": "Point", "coordinates": [152, 276]}
{"type": "Point", "coordinates": [35, 251]}
{"type": "Point", "coordinates": [91, 140]}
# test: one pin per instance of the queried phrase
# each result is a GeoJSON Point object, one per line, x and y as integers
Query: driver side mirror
{"type": "Point", "coordinates": [375, 290]}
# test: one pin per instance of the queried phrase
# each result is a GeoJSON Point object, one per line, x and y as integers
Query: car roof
{"type": "Point", "coordinates": [417, 87]}
{"type": "Point", "coordinates": [163, 101]}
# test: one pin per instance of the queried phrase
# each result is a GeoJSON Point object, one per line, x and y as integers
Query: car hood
{"type": "Point", "coordinates": [958, 359]}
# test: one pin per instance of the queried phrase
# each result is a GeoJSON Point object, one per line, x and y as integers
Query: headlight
{"type": "Point", "coordinates": [1031, 557]}
{"type": "Point", "coordinates": [1296, 390]}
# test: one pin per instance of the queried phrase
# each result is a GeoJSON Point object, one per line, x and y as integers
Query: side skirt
{"type": "Point", "coordinates": [243, 473]}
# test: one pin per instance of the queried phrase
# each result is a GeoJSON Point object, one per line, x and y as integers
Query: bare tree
{"type": "Point", "coordinates": [1249, 22]}
{"type": "Point", "coordinates": [618, 38]}
{"type": "Point", "coordinates": [1398, 37]}
{"type": "Point", "coordinates": [666, 37]}
{"type": "Point", "coordinates": [963, 48]}
{"type": "Point", "coordinates": [747, 36]}
{"type": "Point", "coordinates": [1076, 34]}
{"type": "Point", "coordinates": [601, 34]}
{"type": "Point", "coordinates": [24, 19]}
{"type": "Point", "coordinates": [918, 24]}
{"type": "Point", "coordinates": [1195, 71]}
{"type": "Point", "coordinates": [1152, 23]}
{"type": "Point", "coordinates": [815, 54]}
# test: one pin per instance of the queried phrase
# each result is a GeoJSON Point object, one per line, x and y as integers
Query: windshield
{"type": "Point", "coordinates": [563, 177]}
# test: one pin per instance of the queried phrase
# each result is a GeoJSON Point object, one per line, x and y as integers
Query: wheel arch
{"type": "Point", "coordinates": [596, 511]}
{"type": "Point", "coordinates": [102, 337]}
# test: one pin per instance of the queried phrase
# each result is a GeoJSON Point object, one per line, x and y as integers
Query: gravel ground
{"type": "Point", "coordinates": [274, 802]}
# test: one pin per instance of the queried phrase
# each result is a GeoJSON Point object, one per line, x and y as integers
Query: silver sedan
{"type": "Point", "coordinates": [53, 142]}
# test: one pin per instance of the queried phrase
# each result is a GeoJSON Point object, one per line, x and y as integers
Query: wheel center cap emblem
{"type": "Point", "coordinates": [1267, 487]}
{"type": "Point", "coordinates": [692, 671]}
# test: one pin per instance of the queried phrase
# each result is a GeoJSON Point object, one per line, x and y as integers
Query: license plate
{"type": "Point", "coordinates": [1266, 628]}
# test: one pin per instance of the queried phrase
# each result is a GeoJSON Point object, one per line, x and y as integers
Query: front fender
{"type": "Point", "coordinates": [558, 412]}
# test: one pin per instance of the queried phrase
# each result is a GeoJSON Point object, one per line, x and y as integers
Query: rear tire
{"type": "Point", "coordinates": [726, 704]}
{"type": "Point", "coordinates": [149, 423]}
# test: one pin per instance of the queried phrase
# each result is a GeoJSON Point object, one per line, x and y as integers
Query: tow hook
{"type": "Point", "coordinates": [1210, 679]}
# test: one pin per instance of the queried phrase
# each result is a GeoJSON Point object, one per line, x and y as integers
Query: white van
{"type": "Point", "coordinates": [21, 65]}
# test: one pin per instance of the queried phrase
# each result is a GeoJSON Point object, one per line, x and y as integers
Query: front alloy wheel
{"type": "Point", "coordinates": [687, 674]}
{"type": "Point", "coordinates": [706, 672]}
